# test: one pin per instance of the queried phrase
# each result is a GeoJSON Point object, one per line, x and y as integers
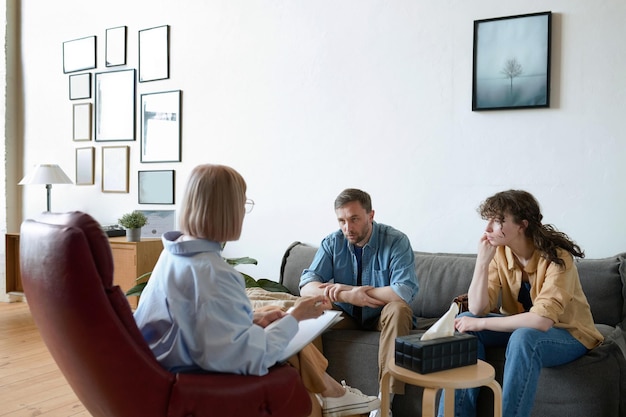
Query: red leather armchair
{"type": "Point", "coordinates": [87, 324]}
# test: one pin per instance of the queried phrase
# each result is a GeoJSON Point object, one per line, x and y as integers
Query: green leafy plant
{"type": "Point", "coordinates": [133, 220]}
{"type": "Point", "coordinates": [266, 284]}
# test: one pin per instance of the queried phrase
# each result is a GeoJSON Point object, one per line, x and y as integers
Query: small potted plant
{"type": "Point", "coordinates": [133, 222]}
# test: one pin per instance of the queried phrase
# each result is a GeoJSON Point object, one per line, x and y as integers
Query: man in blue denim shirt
{"type": "Point", "coordinates": [368, 270]}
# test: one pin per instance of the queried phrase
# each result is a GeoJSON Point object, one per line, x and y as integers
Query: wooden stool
{"type": "Point", "coordinates": [471, 376]}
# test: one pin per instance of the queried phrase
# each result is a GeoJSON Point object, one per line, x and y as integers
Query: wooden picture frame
{"type": "Point", "coordinates": [115, 160]}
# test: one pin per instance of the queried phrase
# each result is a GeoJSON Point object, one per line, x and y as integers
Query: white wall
{"type": "Point", "coordinates": [306, 98]}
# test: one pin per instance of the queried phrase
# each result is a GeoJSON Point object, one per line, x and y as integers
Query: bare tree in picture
{"type": "Point", "coordinates": [512, 69]}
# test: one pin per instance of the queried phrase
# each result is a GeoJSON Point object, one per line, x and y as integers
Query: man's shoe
{"type": "Point", "coordinates": [350, 403]}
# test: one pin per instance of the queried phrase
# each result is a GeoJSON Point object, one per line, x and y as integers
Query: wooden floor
{"type": "Point", "coordinates": [31, 384]}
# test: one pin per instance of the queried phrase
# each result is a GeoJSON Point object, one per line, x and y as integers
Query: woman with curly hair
{"type": "Point", "coordinates": [525, 271]}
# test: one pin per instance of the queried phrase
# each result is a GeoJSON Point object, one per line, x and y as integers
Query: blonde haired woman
{"type": "Point", "coordinates": [195, 314]}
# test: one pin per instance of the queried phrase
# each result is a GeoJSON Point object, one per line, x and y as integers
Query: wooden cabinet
{"type": "Point", "coordinates": [130, 260]}
{"type": "Point", "coordinates": [133, 259]}
{"type": "Point", "coordinates": [13, 278]}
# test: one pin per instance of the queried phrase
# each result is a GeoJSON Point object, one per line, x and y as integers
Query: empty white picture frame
{"type": "Point", "coordinates": [79, 54]}
{"type": "Point", "coordinates": [80, 86]}
{"type": "Point", "coordinates": [115, 105]}
{"type": "Point", "coordinates": [115, 49]}
{"type": "Point", "coordinates": [154, 60]}
{"type": "Point", "coordinates": [115, 169]}
{"type": "Point", "coordinates": [82, 122]}
{"type": "Point", "coordinates": [85, 159]}
{"type": "Point", "coordinates": [156, 187]}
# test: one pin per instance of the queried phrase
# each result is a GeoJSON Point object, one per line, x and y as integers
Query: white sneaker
{"type": "Point", "coordinates": [350, 403]}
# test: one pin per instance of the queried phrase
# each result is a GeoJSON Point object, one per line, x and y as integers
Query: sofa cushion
{"type": "Point", "coordinates": [604, 283]}
{"type": "Point", "coordinates": [441, 277]}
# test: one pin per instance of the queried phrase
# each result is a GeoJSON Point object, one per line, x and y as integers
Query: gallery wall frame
{"type": "Point", "coordinates": [81, 130]}
{"type": "Point", "coordinates": [511, 68]}
{"type": "Point", "coordinates": [80, 86]}
{"type": "Point", "coordinates": [115, 46]}
{"type": "Point", "coordinates": [154, 55]}
{"type": "Point", "coordinates": [79, 54]}
{"type": "Point", "coordinates": [161, 126]}
{"type": "Point", "coordinates": [156, 187]}
{"type": "Point", "coordinates": [115, 160]}
{"type": "Point", "coordinates": [85, 162]}
{"type": "Point", "coordinates": [115, 93]}
{"type": "Point", "coordinates": [159, 222]}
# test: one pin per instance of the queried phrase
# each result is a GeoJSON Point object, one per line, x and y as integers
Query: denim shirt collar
{"type": "Point", "coordinates": [372, 243]}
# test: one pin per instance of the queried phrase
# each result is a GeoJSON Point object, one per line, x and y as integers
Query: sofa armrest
{"type": "Point", "coordinates": [296, 259]}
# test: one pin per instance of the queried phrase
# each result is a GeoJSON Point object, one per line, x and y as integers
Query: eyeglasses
{"type": "Point", "coordinates": [249, 205]}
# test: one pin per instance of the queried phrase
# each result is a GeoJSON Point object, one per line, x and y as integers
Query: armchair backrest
{"type": "Point", "coordinates": [86, 321]}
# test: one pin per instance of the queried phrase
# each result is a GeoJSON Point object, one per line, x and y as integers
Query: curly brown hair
{"type": "Point", "coordinates": [521, 205]}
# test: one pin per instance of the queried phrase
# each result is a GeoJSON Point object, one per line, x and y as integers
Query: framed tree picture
{"type": "Point", "coordinates": [512, 62]}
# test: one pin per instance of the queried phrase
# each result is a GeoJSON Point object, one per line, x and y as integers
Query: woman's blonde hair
{"type": "Point", "coordinates": [213, 205]}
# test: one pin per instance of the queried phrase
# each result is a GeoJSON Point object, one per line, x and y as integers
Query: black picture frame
{"type": "Point", "coordinates": [115, 106]}
{"type": "Point", "coordinates": [161, 115]}
{"type": "Point", "coordinates": [154, 53]}
{"type": "Point", "coordinates": [115, 46]}
{"type": "Point", "coordinates": [79, 54]}
{"type": "Point", "coordinates": [80, 86]}
{"type": "Point", "coordinates": [511, 68]}
{"type": "Point", "coordinates": [156, 187]}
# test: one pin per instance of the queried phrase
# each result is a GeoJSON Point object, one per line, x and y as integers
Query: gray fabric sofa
{"type": "Point", "coordinates": [594, 385]}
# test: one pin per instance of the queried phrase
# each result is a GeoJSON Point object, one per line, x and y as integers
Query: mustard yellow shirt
{"type": "Point", "coordinates": [555, 291]}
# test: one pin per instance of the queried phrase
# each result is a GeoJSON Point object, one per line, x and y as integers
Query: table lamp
{"type": "Point", "coordinates": [46, 174]}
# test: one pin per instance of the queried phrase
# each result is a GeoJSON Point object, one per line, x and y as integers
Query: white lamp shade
{"type": "Point", "coordinates": [46, 174]}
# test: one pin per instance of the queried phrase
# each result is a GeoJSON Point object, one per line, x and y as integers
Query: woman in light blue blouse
{"type": "Point", "coordinates": [195, 314]}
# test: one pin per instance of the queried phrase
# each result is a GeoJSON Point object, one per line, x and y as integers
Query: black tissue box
{"type": "Point", "coordinates": [437, 354]}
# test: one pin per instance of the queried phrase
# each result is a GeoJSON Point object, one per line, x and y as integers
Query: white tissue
{"type": "Point", "coordinates": [444, 327]}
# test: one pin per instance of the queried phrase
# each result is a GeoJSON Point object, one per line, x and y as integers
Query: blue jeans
{"type": "Point", "coordinates": [527, 351]}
